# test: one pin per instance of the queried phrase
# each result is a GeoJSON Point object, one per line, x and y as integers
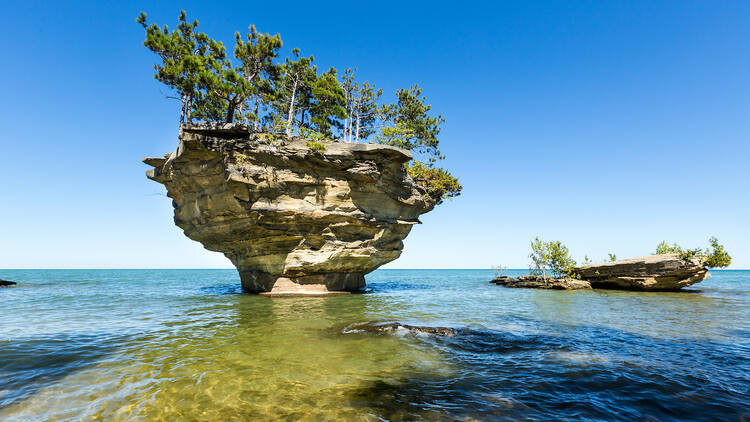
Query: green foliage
{"type": "Point", "coordinates": [183, 57]}
{"type": "Point", "coordinates": [553, 257]}
{"type": "Point", "coordinates": [328, 107]}
{"type": "Point", "coordinates": [612, 257]}
{"type": "Point", "coordinates": [256, 56]}
{"type": "Point", "coordinates": [715, 256]}
{"type": "Point", "coordinates": [250, 85]}
{"type": "Point", "coordinates": [539, 258]}
{"type": "Point", "coordinates": [663, 248]}
{"type": "Point", "coordinates": [499, 270]}
{"type": "Point", "coordinates": [316, 146]}
{"type": "Point", "coordinates": [311, 134]}
{"type": "Point", "coordinates": [438, 183]}
{"type": "Point", "coordinates": [409, 126]}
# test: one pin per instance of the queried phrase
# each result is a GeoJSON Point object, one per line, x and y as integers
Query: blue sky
{"type": "Point", "coordinates": [608, 125]}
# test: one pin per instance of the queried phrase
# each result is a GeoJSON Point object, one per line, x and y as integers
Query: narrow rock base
{"type": "Point", "coordinates": [254, 281]}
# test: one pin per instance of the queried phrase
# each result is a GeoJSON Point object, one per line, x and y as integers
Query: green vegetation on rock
{"type": "Point", "coordinates": [254, 87]}
{"type": "Point", "coordinates": [316, 146]}
{"type": "Point", "coordinates": [552, 257]}
{"type": "Point", "coordinates": [436, 181]}
{"type": "Point", "coordinates": [715, 256]}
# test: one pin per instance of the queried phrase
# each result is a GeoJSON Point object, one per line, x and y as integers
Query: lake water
{"type": "Point", "coordinates": [188, 345]}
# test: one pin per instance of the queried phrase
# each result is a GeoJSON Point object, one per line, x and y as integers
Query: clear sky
{"type": "Point", "coordinates": [608, 125]}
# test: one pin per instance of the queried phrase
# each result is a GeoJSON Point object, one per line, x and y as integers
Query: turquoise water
{"type": "Point", "coordinates": [188, 345]}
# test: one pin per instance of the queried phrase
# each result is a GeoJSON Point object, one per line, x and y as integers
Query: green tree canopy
{"type": "Point", "coordinates": [251, 86]}
{"type": "Point", "coordinates": [408, 125]}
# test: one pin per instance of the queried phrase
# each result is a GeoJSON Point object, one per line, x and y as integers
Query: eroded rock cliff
{"type": "Point", "coordinates": [290, 217]}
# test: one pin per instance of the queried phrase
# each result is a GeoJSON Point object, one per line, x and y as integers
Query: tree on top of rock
{"type": "Point", "coordinates": [182, 54]}
{"type": "Point", "coordinates": [327, 108]}
{"type": "Point", "coordinates": [408, 124]}
{"type": "Point", "coordinates": [256, 57]}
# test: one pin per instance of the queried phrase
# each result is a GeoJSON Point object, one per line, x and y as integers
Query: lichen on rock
{"type": "Point", "coordinates": [291, 219]}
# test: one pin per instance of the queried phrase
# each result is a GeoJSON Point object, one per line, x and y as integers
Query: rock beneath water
{"type": "Point", "coordinates": [390, 327]}
{"type": "Point", "coordinates": [654, 272]}
{"type": "Point", "coordinates": [292, 219]}
{"type": "Point", "coordinates": [6, 283]}
{"type": "Point", "coordinates": [534, 282]}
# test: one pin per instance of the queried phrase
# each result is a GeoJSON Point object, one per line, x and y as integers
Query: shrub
{"type": "Point", "coordinates": [311, 134]}
{"type": "Point", "coordinates": [499, 270]}
{"type": "Point", "coordinates": [612, 257]}
{"type": "Point", "coordinates": [713, 257]}
{"type": "Point", "coordinates": [552, 256]}
{"type": "Point", "coordinates": [315, 146]}
{"type": "Point", "coordinates": [438, 183]}
{"type": "Point", "coordinates": [663, 248]}
{"type": "Point", "coordinates": [717, 256]}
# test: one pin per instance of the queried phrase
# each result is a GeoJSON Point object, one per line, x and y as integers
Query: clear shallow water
{"type": "Point", "coordinates": [187, 345]}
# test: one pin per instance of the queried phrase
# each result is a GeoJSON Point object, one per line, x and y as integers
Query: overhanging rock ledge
{"type": "Point", "coordinates": [292, 219]}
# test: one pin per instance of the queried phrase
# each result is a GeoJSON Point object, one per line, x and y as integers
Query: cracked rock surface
{"type": "Point", "coordinates": [292, 219]}
{"type": "Point", "coordinates": [653, 272]}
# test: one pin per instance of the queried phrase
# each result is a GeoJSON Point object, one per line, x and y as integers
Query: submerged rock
{"type": "Point", "coordinates": [534, 282]}
{"type": "Point", "coordinates": [292, 219]}
{"type": "Point", "coordinates": [6, 283]}
{"type": "Point", "coordinates": [653, 272]}
{"type": "Point", "coordinates": [389, 327]}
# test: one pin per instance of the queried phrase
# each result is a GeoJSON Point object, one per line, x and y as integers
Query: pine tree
{"type": "Point", "coordinates": [407, 124]}
{"type": "Point", "coordinates": [328, 101]}
{"type": "Point", "coordinates": [182, 54]}
{"type": "Point", "coordinates": [350, 87]}
{"type": "Point", "coordinates": [256, 56]}
{"type": "Point", "coordinates": [292, 89]}
{"type": "Point", "coordinates": [365, 110]}
{"type": "Point", "coordinates": [226, 89]}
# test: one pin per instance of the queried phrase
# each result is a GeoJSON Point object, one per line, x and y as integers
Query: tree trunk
{"type": "Point", "coordinates": [182, 109]}
{"type": "Point", "coordinates": [359, 115]}
{"type": "Point", "coordinates": [346, 121]}
{"type": "Point", "coordinates": [351, 113]}
{"type": "Point", "coordinates": [230, 112]}
{"type": "Point", "coordinates": [257, 111]}
{"type": "Point", "coordinates": [291, 110]}
{"type": "Point", "coordinates": [189, 109]}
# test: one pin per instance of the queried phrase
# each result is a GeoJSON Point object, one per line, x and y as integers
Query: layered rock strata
{"type": "Point", "coordinates": [294, 218]}
{"type": "Point", "coordinates": [653, 272]}
{"type": "Point", "coordinates": [534, 282]}
{"type": "Point", "coordinates": [648, 273]}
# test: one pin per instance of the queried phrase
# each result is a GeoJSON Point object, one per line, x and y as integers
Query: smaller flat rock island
{"type": "Point", "coordinates": [292, 216]}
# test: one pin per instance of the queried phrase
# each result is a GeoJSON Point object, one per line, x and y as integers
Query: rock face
{"type": "Point", "coordinates": [534, 282]}
{"type": "Point", "coordinates": [654, 272]}
{"type": "Point", "coordinates": [291, 218]}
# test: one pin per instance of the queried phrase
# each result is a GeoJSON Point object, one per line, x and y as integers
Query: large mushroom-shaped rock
{"type": "Point", "coordinates": [294, 217]}
{"type": "Point", "coordinates": [653, 272]}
